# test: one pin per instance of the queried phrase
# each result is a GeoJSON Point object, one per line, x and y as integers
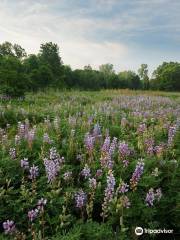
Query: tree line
{"type": "Point", "coordinates": [20, 73]}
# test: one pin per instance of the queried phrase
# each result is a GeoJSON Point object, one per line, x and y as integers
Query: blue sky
{"type": "Point", "coordinates": [125, 33]}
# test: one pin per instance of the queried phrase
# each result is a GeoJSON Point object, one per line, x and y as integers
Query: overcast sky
{"type": "Point", "coordinates": [125, 33]}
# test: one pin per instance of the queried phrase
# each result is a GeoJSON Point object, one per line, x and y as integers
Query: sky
{"type": "Point", "coordinates": [125, 33]}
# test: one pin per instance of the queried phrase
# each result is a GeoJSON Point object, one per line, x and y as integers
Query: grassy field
{"type": "Point", "coordinates": [89, 165]}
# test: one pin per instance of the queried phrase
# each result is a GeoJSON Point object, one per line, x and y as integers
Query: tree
{"type": "Point", "coordinates": [108, 72]}
{"type": "Point", "coordinates": [8, 49]}
{"type": "Point", "coordinates": [40, 73]}
{"type": "Point", "coordinates": [143, 73]}
{"type": "Point", "coordinates": [49, 55]}
{"type": "Point", "coordinates": [45, 76]}
{"type": "Point", "coordinates": [107, 69]}
{"type": "Point", "coordinates": [88, 67]}
{"type": "Point", "coordinates": [19, 51]}
{"type": "Point", "coordinates": [13, 79]}
{"type": "Point", "coordinates": [68, 76]}
{"type": "Point", "coordinates": [167, 77]}
{"type": "Point", "coordinates": [86, 79]}
{"type": "Point", "coordinates": [31, 62]}
{"type": "Point", "coordinates": [129, 79]}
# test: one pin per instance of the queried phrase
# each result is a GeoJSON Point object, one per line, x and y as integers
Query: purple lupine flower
{"type": "Point", "coordinates": [89, 142]}
{"type": "Point", "coordinates": [159, 149]}
{"type": "Point", "coordinates": [124, 150]}
{"type": "Point", "coordinates": [150, 197]}
{"type": "Point", "coordinates": [52, 169]}
{"type": "Point", "coordinates": [53, 164]}
{"type": "Point", "coordinates": [23, 129]}
{"type": "Point", "coordinates": [137, 173]}
{"type": "Point", "coordinates": [141, 128]}
{"type": "Point", "coordinates": [12, 153]}
{"type": "Point", "coordinates": [86, 172]}
{"type": "Point", "coordinates": [125, 163]}
{"type": "Point", "coordinates": [150, 150]}
{"type": "Point", "coordinates": [106, 160]}
{"type": "Point", "coordinates": [125, 202]}
{"type": "Point", "coordinates": [67, 175]}
{"type": "Point", "coordinates": [9, 227]}
{"type": "Point", "coordinates": [92, 183]}
{"type": "Point", "coordinates": [158, 194]}
{"type": "Point", "coordinates": [31, 135]}
{"type": "Point", "coordinates": [33, 172]}
{"type": "Point", "coordinates": [109, 191]}
{"type": "Point", "coordinates": [110, 163]}
{"type": "Point", "coordinates": [171, 134]}
{"type": "Point", "coordinates": [107, 152]}
{"type": "Point", "coordinates": [80, 198]}
{"type": "Point", "coordinates": [113, 146]}
{"type": "Point", "coordinates": [41, 203]}
{"type": "Point", "coordinates": [99, 173]}
{"type": "Point", "coordinates": [24, 163]}
{"type": "Point", "coordinates": [32, 214]}
{"type": "Point", "coordinates": [106, 144]}
{"type": "Point", "coordinates": [123, 188]}
{"type": "Point", "coordinates": [149, 145]}
{"type": "Point", "coordinates": [54, 156]}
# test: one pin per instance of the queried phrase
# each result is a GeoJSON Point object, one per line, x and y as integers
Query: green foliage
{"type": "Point", "coordinates": [49, 56]}
{"type": "Point", "coordinates": [166, 77]}
{"type": "Point", "coordinates": [7, 49]}
{"type": "Point", "coordinates": [66, 116]}
{"type": "Point", "coordinates": [129, 80]}
{"type": "Point", "coordinates": [86, 79]}
{"type": "Point", "coordinates": [46, 69]}
{"type": "Point", "coordinates": [13, 80]}
{"type": "Point", "coordinates": [94, 230]}
{"type": "Point", "coordinates": [73, 234]}
{"type": "Point", "coordinates": [143, 73]}
{"type": "Point", "coordinates": [20, 73]}
{"type": "Point", "coordinates": [88, 231]}
{"type": "Point", "coordinates": [4, 238]}
{"type": "Point", "coordinates": [107, 72]}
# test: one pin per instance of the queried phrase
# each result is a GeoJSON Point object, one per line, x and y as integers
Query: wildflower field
{"type": "Point", "coordinates": [89, 165]}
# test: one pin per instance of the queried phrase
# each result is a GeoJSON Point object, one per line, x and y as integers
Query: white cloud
{"type": "Point", "coordinates": [85, 52]}
{"type": "Point", "coordinates": [36, 25]}
{"type": "Point", "coordinates": [78, 33]}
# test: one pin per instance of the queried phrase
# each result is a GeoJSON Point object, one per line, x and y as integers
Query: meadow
{"type": "Point", "coordinates": [79, 165]}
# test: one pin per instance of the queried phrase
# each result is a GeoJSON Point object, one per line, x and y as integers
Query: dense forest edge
{"type": "Point", "coordinates": [21, 73]}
